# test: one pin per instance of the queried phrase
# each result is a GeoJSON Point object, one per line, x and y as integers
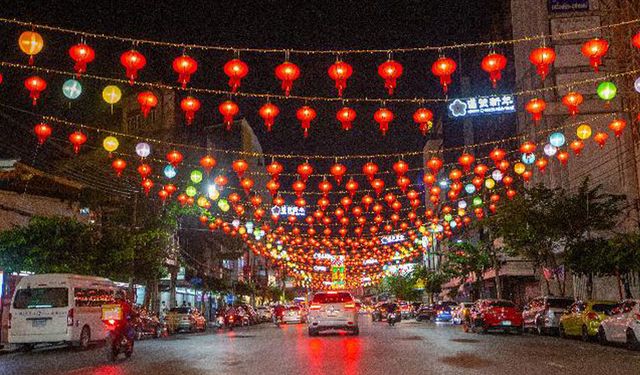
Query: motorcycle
{"type": "Point", "coordinates": [392, 318]}
{"type": "Point", "coordinates": [230, 322]}
{"type": "Point", "coordinates": [277, 320]}
{"type": "Point", "coordinates": [220, 321]}
{"type": "Point", "coordinates": [148, 326]}
{"type": "Point", "coordinates": [119, 339]}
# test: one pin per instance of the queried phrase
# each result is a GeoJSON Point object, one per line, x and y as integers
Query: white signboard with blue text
{"type": "Point", "coordinates": [482, 105]}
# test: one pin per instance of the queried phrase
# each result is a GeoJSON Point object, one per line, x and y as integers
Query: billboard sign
{"type": "Point", "coordinates": [557, 6]}
{"type": "Point", "coordinates": [482, 105]}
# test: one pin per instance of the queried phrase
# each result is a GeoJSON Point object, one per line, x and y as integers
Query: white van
{"type": "Point", "coordinates": [59, 308]}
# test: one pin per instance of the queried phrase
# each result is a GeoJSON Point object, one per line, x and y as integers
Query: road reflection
{"type": "Point", "coordinates": [328, 352]}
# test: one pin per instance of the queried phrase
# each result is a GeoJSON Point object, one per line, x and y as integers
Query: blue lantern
{"type": "Point", "coordinates": [170, 171]}
{"type": "Point", "coordinates": [557, 139]}
{"type": "Point", "coordinates": [469, 188]}
{"type": "Point", "coordinates": [71, 89]}
{"type": "Point", "coordinates": [528, 158]}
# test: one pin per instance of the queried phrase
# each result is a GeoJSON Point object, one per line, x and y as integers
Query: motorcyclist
{"type": "Point", "coordinates": [127, 316]}
{"type": "Point", "coordinates": [392, 308]}
{"type": "Point", "coordinates": [278, 313]}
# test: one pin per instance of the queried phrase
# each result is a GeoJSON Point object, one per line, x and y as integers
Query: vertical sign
{"type": "Point", "coordinates": [338, 277]}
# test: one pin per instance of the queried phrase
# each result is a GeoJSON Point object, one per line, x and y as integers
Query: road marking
{"type": "Point", "coordinates": [556, 365]}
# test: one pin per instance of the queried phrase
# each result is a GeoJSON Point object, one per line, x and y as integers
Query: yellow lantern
{"type": "Point", "coordinates": [519, 168]}
{"type": "Point", "coordinates": [489, 183]}
{"type": "Point", "coordinates": [31, 43]}
{"type": "Point", "coordinates": [202, 201]}
{"type": "Point", "coordinates": [110, 144]}
{"type": "Point", "coordinates": [583, 131]}
{"type": "Point", "coordinates": [111, 94]}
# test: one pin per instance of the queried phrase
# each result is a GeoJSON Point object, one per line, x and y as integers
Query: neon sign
{"type": "Point", "coordinates": [288, 211]}
{"type": "Point", "coordinates": [482, 105]}
{"type": "Point", "coordinates": [393, 238]}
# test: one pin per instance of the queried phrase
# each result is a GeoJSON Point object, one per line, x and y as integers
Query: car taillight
{"type": "Point", "coordinates": [111, 322]}
{"type": "Point", "coordinates": [592, 316]}
{"type": "Point", "coordinates": [314, 307]}
{"type": "Point", "coordinates": [349, 306]}
{"type": "Point", "coordinates": [70, 318]}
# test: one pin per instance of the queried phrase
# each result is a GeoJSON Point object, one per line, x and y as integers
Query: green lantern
{"type": "Point", "coordinates": [607, 90]}
{"type": "Point", "coordinates": [191, 191]}
{"type": "Point", "coordinates": [196, 176]}
{"type": "Point", "coordinates": [477, 201]}
{"type": "Point", "coordinates": [223, 205]}
{"type": "Point", "coordinates": [448, 217]}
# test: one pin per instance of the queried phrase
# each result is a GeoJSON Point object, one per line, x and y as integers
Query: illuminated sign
{"type": "Point", "coordinates": [320, 268]}
{"type": "Point", "coordinates": [482, 105]}
{"type": "Point", "coordinates": [568, 5]}
{"type": "Point", "coordinates": [393, 238]}
{"type": "Point", "coordinates": [323, 256]}
{"type": "Point", "coordinates": [288, 211]}
{"type": "Point", "coordinates": [370, 261]}
{"type": "Point", "coordinates": [338, 275]}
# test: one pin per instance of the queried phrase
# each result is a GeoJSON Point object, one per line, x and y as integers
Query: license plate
{"type": "Point", "coordinates": [38, 323]}
{"type": "Point", "coordinates": [506, 323]}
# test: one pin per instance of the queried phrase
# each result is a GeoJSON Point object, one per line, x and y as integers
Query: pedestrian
{"type": "Point", "coordinates": [184, 303]}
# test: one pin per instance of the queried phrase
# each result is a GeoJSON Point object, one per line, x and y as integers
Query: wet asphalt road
{"type": "Point", "coordinates": [408, 348]}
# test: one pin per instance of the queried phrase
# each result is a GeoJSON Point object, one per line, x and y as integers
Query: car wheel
{"type": "Point", "coordinates": [632, 340]}
{"type": "Point", "coordinates": [585, 334]}
{"type": "Point", "coordinates": [561, 332]}
{"type": "Point", "coordinates": [540, 330]}
{"type": "Point", "coordinates": [602, 336]}
{"type": "Point", "coordinates": [85, 338]}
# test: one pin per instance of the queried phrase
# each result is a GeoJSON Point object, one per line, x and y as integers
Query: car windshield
{"type": "Point", "coordinates": [502, 304]}
{"type": "Point", "coordinates": [332, 298]}
{"type": "Point", "coordinates": [603, 307]}
{"type": "Point", "coordinates": [561, 303]}
{"type": "Point", "coordinates": [181, 310]}
{"type": "Point", "coordinates": [293, 308]}
{"type": "Point", "coordinates": [41, 298]}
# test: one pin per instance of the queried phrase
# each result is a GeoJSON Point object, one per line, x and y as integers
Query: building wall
{"type": "Point", "coordinates": [17, 209]}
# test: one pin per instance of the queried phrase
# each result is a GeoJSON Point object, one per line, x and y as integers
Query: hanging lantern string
{"type": "Point", "coordinates": [386, 51]}
{"type": "Point", "coordinates": [267, 96]}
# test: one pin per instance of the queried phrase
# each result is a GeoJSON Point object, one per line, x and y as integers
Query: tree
{"type": "Point", "coordinates": [466, 259]}
{"type": "Point", "coordinates": [402, 286]}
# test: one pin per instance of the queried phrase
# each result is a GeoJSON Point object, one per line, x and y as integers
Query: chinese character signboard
{"type": "Point", "coordinates": [568, 5]}
{"type": "Point", "coordinates": [482, 105]}
{"type": "Point", "coordinates": [288, 211]}
{"type": "Point", "coordinates": [338, 276]}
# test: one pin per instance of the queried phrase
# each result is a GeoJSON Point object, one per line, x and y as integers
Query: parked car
{"type": "Point", "coordinates": [333, 311]}
{"type": "Point", "coordinates": [264, 313]}
{"type": "Point", "coordinates": [186, 319]}
{"type": "Point", "coordinates": [622, 326]}
{"type": "Point", "coordinates": [543, 314]}
{"type": "Point", "coordinates": [293, 314]}
{"type": "Point", "coordinates": [443, 311]}
{"type": "Point", "coordinates": [495, 314]}
{"type": "Point", "coordinates": [425, 312]}
{"type": "Point", "coordinates": [406, 310]}
{"type": "Point", "coordinates": [583, 318]}
{"type": "Point", "coordinates": [461, 312]}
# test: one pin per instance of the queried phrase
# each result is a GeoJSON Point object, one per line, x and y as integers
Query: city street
{"type": "Point", "coordinates": [408, 348]}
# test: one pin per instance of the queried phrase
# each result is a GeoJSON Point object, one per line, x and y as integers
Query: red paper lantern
{"type": "Point", "coordinates": [147, 101]}
{"type": "Point", "coordinates": [572, 101]}
{"type": "Point", "coordinates": [273, 186]}
{"type": "Point", "coordinates": [35, 85]}
{"type": "Point", "coordinates": [236, 70]}
{"type": "Point", "coordinates": [337, 171]}
{"type": "Point", "coordinates": [367, 201]}
{"type": "Point", "coordinates": [269, 112]}
{"type": "Point", "coordinates": [480, 170]}
{"type": "Point", "coordinates": [299, 187]}
{"type": "Point", "coordinates": [118, 165]}
{"type": "Point", "coordinates": [182, 199]}
{"type": "Point", "coordinates": [169, 188]}
{"type": "Point", "coordinates": [163, 195]}
{"type": "Point", "coordinates": [601, 138]}
{"type": "Point", "coordinates": [465, 160]}
{"type": "Point", "coordinates": [287, 72]}
{"type": "Point", "coordinates": [228, 110]}
{"type": "Point", "coordinates": [208, 162]}
{"type": "Point", "coordinates": [247, 184]}
{"type": "Point", "coordinates": [340, 71]}
{"type": "Point", "coordinates": [400, 168]}
{"type": "Point", "coordinates": [542, 58]}
{"type": "Point", "coordinates": [82, 54]}
{"type": "Point", "coordinates": [511, 193]}
{"type": "Point", "coordinates": [325, 187]}
{"type": "Point", "coordinates": [239, 166]}
{"type": "Point", "coordinates": [147, 184]}
{"type": "Point", "coordinates": [190, 106]}
{"type": "Point", "coordinates": [305, 115]}
{"type": "Point", "coordinates": [494, 64]}
{"type": "Point", "coordinates": [274, 169]}
{"type": "Point", "coordinates": [346, 116]}
{"type": "Point", "coordinates": [424, 118]}
{"type": "Point", "coordinates": [617, 126]}
{"type": "Point", "coordinates": [378, 186]}
{"type": "Point", "coordinates": [595, 49]}
{"type": "Point", "coordinates": [497, 154]}
{"type": "Point", "coordinates": [221, 181]}
{"type": "Point", "coordinates": [370, 169]}
{"type": "Point", "coordinates": [507, 181]}
{"type": "Point", "coordinates": [576, 146]}
{"type": "Point", "coordinates": [305, 170]}
{"type": "Point", "coordinates": [77, 139]}
{"type": "Point", "coordinates": [390, 71]}
{"type": "Point", "coordinates": [503, 165]}
{"type": "Point", "coordinates": [383, 117]}
{"type": "Point", "coordinates": [174, 158]}
{"type": "Point", "coordinates": [403, 183]}
{"type": "Point", "coordinates": [352, 187]}
{"type": "Point", "coordinates": [443, 68]}
{"type": "Point", "coordinates": [636, 40]}
{"type": "Point", "coordinates": [144, 170]}
{"type": "Point", "coordinates": [527, 147]}
{"type": "Point", "coordinates": [132, 61]}
{"type": "Point", "coordinates": [536, 107]}
{"type": "Point", "coordinates": [185, 66]}
{"type": "Point", "coordinates": [434, 164]}
{"type": "Point", "coordinates": [323, 203]}
{"type": "Point", "coordinates": [541, 163]}
{"type": "Point", "coordinates": [42, 131]}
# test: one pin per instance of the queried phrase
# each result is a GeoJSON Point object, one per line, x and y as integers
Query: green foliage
{"type": "Point", "coordinates": [402, 286]}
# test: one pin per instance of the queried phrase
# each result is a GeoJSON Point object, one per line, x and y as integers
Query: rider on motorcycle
{"type": "Point", "coordinates": [127, 316]}
{"type": "Point", "coordinates": [278, 313]}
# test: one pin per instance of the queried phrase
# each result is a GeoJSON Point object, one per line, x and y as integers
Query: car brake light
{"type": "Point", "coordinates": [314, 307]}
{"type": "Point", "coordinates": [349, 305]}
{"type": "Point", "coordinates": [592, 316]}
{"type": "Point", "coordinates": [111, 321]}
{"type": "Point", "coordinates": [70, 318]}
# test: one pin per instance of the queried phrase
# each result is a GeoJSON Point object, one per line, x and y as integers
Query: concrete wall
{"type": "Point", "coordinates": [17, 209]}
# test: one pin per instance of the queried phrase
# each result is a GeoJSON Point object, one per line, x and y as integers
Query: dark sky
{"type": "Point", "coordinates": [269, 24]}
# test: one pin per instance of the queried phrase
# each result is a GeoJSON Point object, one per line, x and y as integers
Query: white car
{"type": "Point", "coordinates": [623, 326]}
{"type": "Point", "coordinates": [333, 310]}
{"type": "Point", "coordinates": [293, 314]}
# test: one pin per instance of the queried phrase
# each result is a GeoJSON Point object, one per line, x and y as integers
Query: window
{"type": "Point", "coordinates": [85, 297]}
{"type": "Point", "coordinates": [603, 307]}
{"type": "Point", "coordinates": [502, 304]}
{"type": "Point", "coordinates": [41, 298]}
{"type": "Point", "coordinates": [332, 298]}
{"type": "Point", "coordinates": [559, 302]}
